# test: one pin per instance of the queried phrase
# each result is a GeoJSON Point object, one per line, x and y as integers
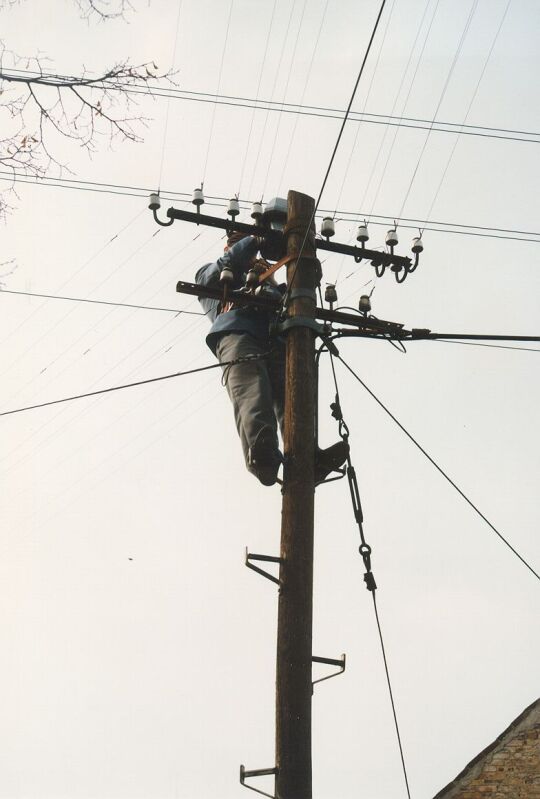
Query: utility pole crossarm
{"type": "Point", "coordinates": [375, 257]}
{"type": "Point", "coordinates": [325, 314]}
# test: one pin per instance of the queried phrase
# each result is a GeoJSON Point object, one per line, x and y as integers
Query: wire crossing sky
{"type": "Point", "coordinates": [131, 631]}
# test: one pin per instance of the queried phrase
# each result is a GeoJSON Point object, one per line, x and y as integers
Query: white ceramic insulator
{"type": "Point", "coordinates": [362, 233]}
{"type": "Point", "coordinates": [330, 294]}
{"type": "Point", "coordinates": [198, 197]}
{"type": "Point", "coordinates": [417, 245]}
{"type": "Point", "coordinates": [391, 238]}
{"type": "Point", "coordinates": [364, 304]}
{"type": "Point", "coordinates": [155, 202]}
{"type": "Point", "coordinates": [256, 210]}
{"type": "Point", "coordinates": [234, 207]}
{"type": "Point", "coordinates": [328, 228]}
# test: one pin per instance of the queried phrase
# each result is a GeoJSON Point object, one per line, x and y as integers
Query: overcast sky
{"type": "Point", "coordinates": [138, 653]}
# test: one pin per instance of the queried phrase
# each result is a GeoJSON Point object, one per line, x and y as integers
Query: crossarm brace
{"type": "Point", "coordinates": [264, 559]}
{"type": "Point", "coordinates": [260, 772]}
{"type": "Point", "coordinates": [330, 662]}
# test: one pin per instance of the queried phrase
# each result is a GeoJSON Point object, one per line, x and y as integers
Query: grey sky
{"type": "Point", "coordinates": [137, 651]}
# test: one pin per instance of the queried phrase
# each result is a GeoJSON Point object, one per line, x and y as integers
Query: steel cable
{"type": "Point", "coordinates": [439, 468]}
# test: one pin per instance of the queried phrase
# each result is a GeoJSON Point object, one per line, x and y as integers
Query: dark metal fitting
{"type": "Point", "coordinates": [364, 549]}
{"type": "Point", "coordinates": [259, 772]}
{"type": "Point", "coordinates": [335, 407]}
{"type": "Point", "coordinates": [330, 662]}
{"type": "Point", "coordinates": [396, 269]}
{"type": "Point", "coordinates": [330, 346]}
{"type": "Point", "coordinates": [420, 332]}
{"type": "Point", "coordinates": [156, 218]}
{"type": "Point", "coordinates": [265, 559]}
{"type": "Point", "coordinates": [308, 294]}
{"type": "Point", "coordinates": [299, 321]}
{"type": "Point", "coordinates": [412, 267]}
{"type": "Point", "coordinates": [369, 580]}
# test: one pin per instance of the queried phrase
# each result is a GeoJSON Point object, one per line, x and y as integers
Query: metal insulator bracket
{"type": "Point", "coordinates": [309, 294]}
{"type": "Point", "coordinates": [264, 559]}
{"type": "Point", "coordinates": [260, 772]}
{"type": "Point", "coordinates": [330, 662]}
{"type": "Point", "coordinates": [158, 220]}
{"type": "Point", "coordinates": [299, 321]}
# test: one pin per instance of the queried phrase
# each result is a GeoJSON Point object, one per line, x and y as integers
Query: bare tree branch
{"type": "Point", "coordinates": [40, 110]}
{"type": "Point", "coordinates": [102, 9]}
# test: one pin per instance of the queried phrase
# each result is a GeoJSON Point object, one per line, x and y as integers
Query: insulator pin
{"type": "Point", "coordinates": [328, 229]}
{"type": "Point", "coordinates": [364, 304]}
{"type": "Point", "coordinates": [330, 293]}
{"type": "Point", "coordinates": [417, 245]}
{"type": "Point", "coordinates": [197, 198]}
{"type": "Point", "coordinates": [155, 202]}
{"type": "Point", "coordinates": [392, 238]}
{"type": "Point", "coordinates": [362, 234]}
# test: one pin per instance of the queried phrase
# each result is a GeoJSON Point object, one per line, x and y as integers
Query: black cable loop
{"type": "Point", "coordinates": [399, 345]}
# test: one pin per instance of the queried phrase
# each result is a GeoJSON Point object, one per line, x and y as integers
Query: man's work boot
{"type": "Point", "coordinates": [329, 460]}
{"type": "Point", "coordinates": [265, 458]}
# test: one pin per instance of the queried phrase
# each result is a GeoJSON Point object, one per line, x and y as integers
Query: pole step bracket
{"type": "Point", "coordinates": [260, 772]}
{"type": "Point", "coordinates": [265, 559]}
{"type": "Point", "coordinates": [330, 662]}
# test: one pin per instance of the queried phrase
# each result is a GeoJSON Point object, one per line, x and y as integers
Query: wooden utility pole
{"type": "Point", "coordinates": [294, 638]}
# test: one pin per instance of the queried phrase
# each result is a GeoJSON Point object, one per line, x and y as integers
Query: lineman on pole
{"type": "Point", "coordinates": [256, 387]}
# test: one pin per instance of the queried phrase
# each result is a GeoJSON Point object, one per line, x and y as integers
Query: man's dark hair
{"type": "Point", "coordinates": [235, 236]}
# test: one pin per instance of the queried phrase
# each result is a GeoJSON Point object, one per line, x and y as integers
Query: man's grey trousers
{"type": "Point", "coordinates": [256, 388]}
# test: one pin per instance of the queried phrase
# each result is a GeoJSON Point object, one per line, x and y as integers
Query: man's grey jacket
{"type": "Point", "coordinates": [250, 320]}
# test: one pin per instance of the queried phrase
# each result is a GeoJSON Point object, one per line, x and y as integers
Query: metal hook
{"type": "Point", "coordinates": [398, 278]}
{"type": "Point", "coordinates": [163, 224]}
{"type": "Point", "coordinates": [416, 262]}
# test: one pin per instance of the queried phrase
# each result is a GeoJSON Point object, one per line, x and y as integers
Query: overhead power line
{"type": "Point", "coordinates": [439, 469]}
{"type": "Point", "coordinates": [489, 346]}
{"type": "Point", "coordinates": [217, 201]}
{"type": "Point", "coordinates": [336, 145]}
{"type": "Point", "coordinates": [132, 385]}
{"type": "Point", "coordinates": [101, 302]}
{"type": "Point", "coordinates": [321, 112]}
